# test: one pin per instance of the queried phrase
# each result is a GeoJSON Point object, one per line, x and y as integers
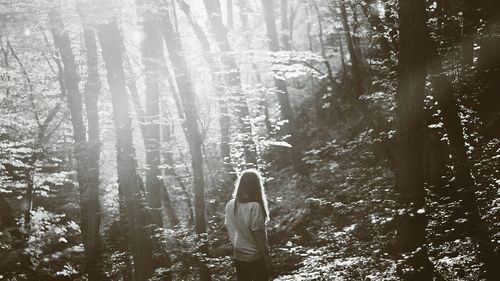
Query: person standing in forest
{"type": "Point", "coordinates": [245, 219]}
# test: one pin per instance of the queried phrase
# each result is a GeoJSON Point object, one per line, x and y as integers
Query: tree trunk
{"type": "Point", "coordinates": [355, 63]}
{"type": "Point", "coordinates": [224, 119]}
{"type": "Point", "coordinates": [489, 71]}
{"type": "Point", "coordinates": [86, 154]}
{"type": "Point", "coordinates": [232, 79]}
{"type": "Point", "coordinates": [109, 37]}
{"type": "Point", "coordinates": [412, 222]}
{"type": "Point", "coordinates": [152, 56]}
{"type": "Point", "coordinates": [282, 92]}
{"type": "Point", "coordinates": [92, 90]}
{"type": "Point", "coordinates": [285, 33]}
{"type": "Point", "coordinates": [193, 135]}
{"type": "Point", "coordinates": [322, 43]}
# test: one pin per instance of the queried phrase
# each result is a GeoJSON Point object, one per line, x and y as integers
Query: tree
{"type": "Point", "coordinates": [232, 78]}
{"type": "Point", "coordinates": [152, 56]}
{"type": "Point", "coordinates": [285, 32]}
{"type": "Point", "coordinates": [488, 70]}
{"type": "Point", "coordinates": [224, 118]}
{"type": "Point", "coordinates": [372, 15]}
{"type": "Point", "coordinates": [109, 35]}
{"type": "Point", "coordinates": [409, 143]}
{"type": "Point", "coordinates": [192, 131]}
{"type": "Point", "coordinates": [87, 155]}
{"type": "Point", "coordinates": [356, 69]}
{"type": "Point", "coordinates": [281, 88]}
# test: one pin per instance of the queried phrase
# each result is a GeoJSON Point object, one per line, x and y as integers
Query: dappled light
{"type": "Point", "coordinates": [249, 140]}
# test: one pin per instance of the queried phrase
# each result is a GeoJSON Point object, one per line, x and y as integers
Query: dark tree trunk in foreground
{"type": "Point", "coordinates": [412, 222]}
{"type": "Point", "coordinates": [193, 135]}
{"type": "Point", "coordinates": [281, 89]}
{"type": "Point", "coordinates": [109, 37]}
{"type": "Point", "coordinates": [489, 71]}
{"type": "Point", "coordinates": [232, 78]}
{"type": "Point", "coordinates": [87, 156]}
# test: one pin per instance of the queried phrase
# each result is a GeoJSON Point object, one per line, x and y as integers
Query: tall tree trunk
{"type": "Point", "coordinates": [152, 56]}
{"type": "Point", "coordinates": [193, 135]}
{"type": "Point", "coordinates": [282, 92]}
{"type": "Point", "coordinates": [489, 71]}
{"type": "Point", "coordinates": [355, 62]}
{"type": "Point", "coordinates": [322, 43]}
{"type": "Point", "coordinates": [92, 90]}
{"type": "Point", "coordinates": [412, 222]}
{"type": "Point", "coordinates": [86, 155]}
{"type": "Point", "coordinates": [224, 119]}
{"type": "Point", "coordinates": [285, 33]}
{"type": "Point", "coordinates": [232, 78]}
{"type": "Point", "coordinates": [109, 37]}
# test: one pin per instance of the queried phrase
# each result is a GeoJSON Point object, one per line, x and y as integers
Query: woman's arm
{"type": "Point", "coordinates": [260, 237]}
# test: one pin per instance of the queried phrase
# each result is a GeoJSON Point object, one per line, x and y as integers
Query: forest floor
{"type": "Point", "coordinates": [338, 223]}
{"type": "Point", "coordinates": [324, 226]}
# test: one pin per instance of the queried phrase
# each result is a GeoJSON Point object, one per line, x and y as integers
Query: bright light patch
{"type": "Point", "coordinates": [27, 32]}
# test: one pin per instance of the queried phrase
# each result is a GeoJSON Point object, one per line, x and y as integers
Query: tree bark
{"type": "Point", "coordinates": [489, 71]}
{"type": "Point", "coordinates": [412, 222]}
{"type": "Point", "coordinates": [193, 135]}
{"type": "Point", "coordinates": [109, 37]}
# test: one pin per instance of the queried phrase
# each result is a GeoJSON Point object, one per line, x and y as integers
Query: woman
{"type": "Point", "coordinates": [246, 217]}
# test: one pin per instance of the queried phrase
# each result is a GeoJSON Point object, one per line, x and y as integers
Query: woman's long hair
{"type": "Point", "coordinates": [250, 188]}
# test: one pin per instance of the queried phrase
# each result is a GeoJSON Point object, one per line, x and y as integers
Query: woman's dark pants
{"type": "Point", "coordinates": [251, 270]}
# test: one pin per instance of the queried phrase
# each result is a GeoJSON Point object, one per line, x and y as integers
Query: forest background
{"type": "Point", "coordinates": [124, 124]}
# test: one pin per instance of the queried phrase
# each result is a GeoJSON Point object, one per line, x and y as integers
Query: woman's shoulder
{"type": "Point", "coordinates": [252, 205]}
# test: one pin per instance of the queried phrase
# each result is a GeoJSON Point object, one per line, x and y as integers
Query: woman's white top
{"type": "Point", "coordinates": [249, 217]}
